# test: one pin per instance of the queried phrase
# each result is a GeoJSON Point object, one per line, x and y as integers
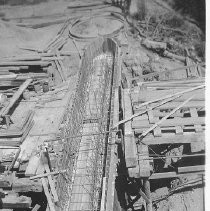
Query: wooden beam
{"type": "Point", "coordinates": [144, 162]}
{"type": "Point", "coordinates": [174, 139]}
{"type": "Point", "coordinates": [178, 121]}
{"type": "Point", "coordinates": [130, 148]}
{"type": "Point", "coordinates": [36, 208]}
{"type": "Point", "coordinates": [173, 174]}
{"type": "Point", "coordinates": [24, 63]}
{"type": "Point", "coordinates": [47, 174]}
{"type": "Point", "coordinates": [165, 98]}
{"type": "Point", "coordinates": [146, 184]}
{"type": "Point", "coordinates": [47, 194]}
{"type": "Point", "coordinates": [51, 183]}
{"type": "Point", "coordinates": [148, 95]}
{"type": "Point", "coordinates": [171, 105]}
{"type": "Point", "coordinates": [15, 97]}
{"type": "Point", "coordinates": [15, 202]}
{"type": "Point", "coordinates": [188, 169]}
{"type": "Point", "coordinates": [164, 118]}
{"type": "Point", "coordinates": [26, 185]}
{"type": "Point", "coordinates": [144, 111]}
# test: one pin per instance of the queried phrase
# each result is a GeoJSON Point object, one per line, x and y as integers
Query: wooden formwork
{"type": "Point", "coordinates": [184, 126]}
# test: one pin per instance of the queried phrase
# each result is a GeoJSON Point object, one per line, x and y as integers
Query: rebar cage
{"type": "Point", "coordinates": [84, 134]}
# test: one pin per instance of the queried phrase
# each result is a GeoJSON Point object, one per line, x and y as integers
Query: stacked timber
{"type": "Point", "coordinates": [167, 122]}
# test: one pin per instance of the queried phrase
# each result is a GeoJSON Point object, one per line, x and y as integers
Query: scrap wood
{"type": "Point", "coordinates": [171, 95]}
{"type": "Point", "coordinates": [164, 118]}
{"type": "Point", "coordinates": [187, 169]}
{"type": "Point", "coordinates": [47, 174]}
{"type": "Point", "coordinates": [24, 63]}
{"type": "Point", "coordinates": [176, 95]}
{"type": "Point", "coordinates": [36, 208]}
{"type": "Point", "coordinates": [167, 71]}
{"type": "Point", "coordinates": [40, 170]}
{"type": "Point", "coordinates": [142, 112]}
{"type": "Point", "coordinates": [15, 97]}
{"type": "Point", "coordinates": [23, 185]}
{"type": "Point", "coordinates": [51, 183]}
{"type": "Point", "coordinates": [14, 202]}
{"type": "Point", "coordinates": [47, 194]}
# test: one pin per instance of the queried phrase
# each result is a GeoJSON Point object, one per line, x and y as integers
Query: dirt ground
{"type": "Point", "coordinates": [32, 26]}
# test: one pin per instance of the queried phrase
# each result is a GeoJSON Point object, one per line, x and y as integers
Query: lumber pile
{"type": "Point", "coordinates": [37, 177]}
{"type": "Point", "coordinates": [166, 113]}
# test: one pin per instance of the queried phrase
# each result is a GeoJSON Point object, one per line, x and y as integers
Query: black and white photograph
{"type": "Point", "coordinates": [103, 105]}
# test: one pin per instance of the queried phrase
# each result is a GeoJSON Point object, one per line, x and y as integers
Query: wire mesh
{"type": "Point", "coordinates": [84, 156]}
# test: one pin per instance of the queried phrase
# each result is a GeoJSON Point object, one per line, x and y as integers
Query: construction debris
{"type": "Point", "coordinates": [101, 108]}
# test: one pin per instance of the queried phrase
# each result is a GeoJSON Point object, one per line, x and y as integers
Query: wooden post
{"type": "Point", "coordinates": [147, 192]}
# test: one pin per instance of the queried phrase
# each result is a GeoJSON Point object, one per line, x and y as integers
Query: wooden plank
{"type": "Point", "coordinates": [41, 170]}
{"type": "Point", "coordinates": [164, 175]}
{"type": "Point", "coordinates": [15, 97]}
{"type": "Point", "coordinates": [46, 174]}
{"type": "Point", "coordinates": [164, 118]}
{"type": "Point", "coordinates": [24, 63]}
{"type": "Point", "coordinates": [15, 202]}
{"type": "Point", "coordinates": [47, 194]}
{"type": "Point", "coordinates": [26, 185]}
{"type": "Point", "coordinates": [174, 139]}
{"type": "Point", "coordinates": [144, 111]}
{"type": "Point", "coordinates": [146, 184]}
{"type": "Point", "coordinates": [36, 208]}
{"type": "Point", "coordinates": [129, 140]}
{"type": "Point", "coordinates": [148, 95]}
{"type": "Point", "coordinates": [51, 183]}
{"type": "Point", "coordinates": [188, 169]}
{"type": "Point", "coordinates": [171, 105]}
{"type": "Point", "coordinates": [164, 100]}
{"type": "Point", "coordinates": [136, 124]}
{"type": "Point", "coordinates": [144, 163]}
{"type": "Point", "coordinates": [171, 130]}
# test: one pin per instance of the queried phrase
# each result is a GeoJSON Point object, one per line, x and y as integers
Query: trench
{"type": "Point", "coordinates": [85, 131]}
